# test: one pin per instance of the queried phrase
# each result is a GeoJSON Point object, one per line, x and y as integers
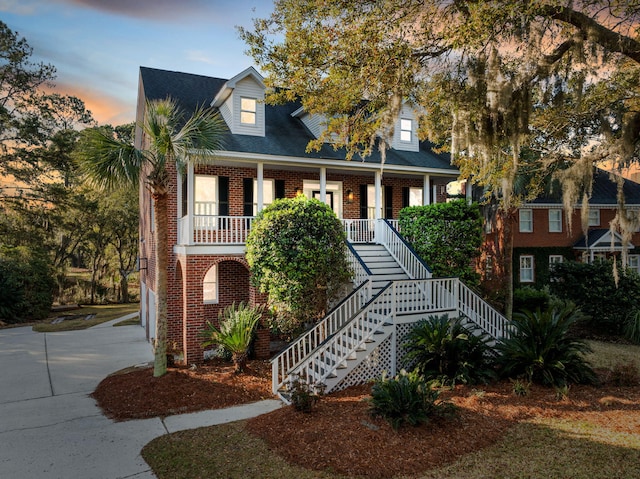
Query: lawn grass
{"type": "Point", "coordinates": [607, 355]}
{"type": "Point", "coordinates": [581, 446]}
{"type": "Point", "coordinates": [103, 313]}
{"type": "Point", "coordinates": [530, 450]}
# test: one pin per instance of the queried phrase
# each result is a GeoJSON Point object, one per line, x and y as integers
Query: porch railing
{"type": "Point", "coordinates": [360, 231]}
{"type": "Point", "coordinates": [209, 229]}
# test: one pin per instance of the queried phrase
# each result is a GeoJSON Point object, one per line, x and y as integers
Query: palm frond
{"type": "Point", "coordinates": [107, 162]}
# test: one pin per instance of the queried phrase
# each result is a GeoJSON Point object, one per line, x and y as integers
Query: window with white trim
{"type": "Point", "coordinates": [406, 129]}
{"type": "Point", "coordinates": [268, 193]}
{"type": "Point", "coordinates": [206, 195]}
{"type": "Point", "coordinates": [526, 269]}
{"type": "Point", "coordinates": [555, 220]}
{"type": "Point", "coordinates": [210, 285]}
{"type": "Point", "coordinates": [415, 196]}
{"type": "Point", "coordinates": [248, 109]}
{"type": "Point", "coordinates": [633, 262]}
{"type": "Point", "coordinates": [526, 221]}
{"type": "Point", "coordinates": [594, 217]}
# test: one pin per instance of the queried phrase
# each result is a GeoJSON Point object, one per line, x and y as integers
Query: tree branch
{"type": "Point", "coordinates": [596, 32]}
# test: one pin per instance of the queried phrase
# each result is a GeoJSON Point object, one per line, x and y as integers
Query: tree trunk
{"type": "Point", "coordinates": [240, 361]}
{"type": "Point", "coordinates": [124, 287]}
{"type": "Point", "coordinates": [162, 263]}
{"type": "Point", "coordinates": [508, 263]}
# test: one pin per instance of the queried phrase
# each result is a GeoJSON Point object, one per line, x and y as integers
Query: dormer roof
{"type": "Point", "coordinates": [230, 85]}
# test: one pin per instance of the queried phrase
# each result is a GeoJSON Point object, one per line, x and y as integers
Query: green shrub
{"type": "Point", "coordinates": [447, 236]}
{"type": "Point", "coordinates": [406, 399]}
{"type": "Point", "coordinates": [297, 253]}
{"type": "Point", "coordinates": [236, 332]}
{"type": "Point", "coordinates": [530, 299]}
{"type": "Point", "coordinates": [593, 289]}
{"type": "Point", "coordinates": [302, 395]}
{"type": "Point", "coordinates": [443, 349]}
{"type": "Point", "coordinates": [541, 349]}
{"type": "Point", "coordinates": [26, 285]}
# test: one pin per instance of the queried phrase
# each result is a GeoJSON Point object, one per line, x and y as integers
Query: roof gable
{"type": "Point", "coordinates": [285, 135]}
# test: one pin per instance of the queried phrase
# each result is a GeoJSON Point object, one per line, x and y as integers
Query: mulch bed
{"type": "Point", "coordinates": [135, 394]}
{"type": "Point", "coordinates": [340, 435]}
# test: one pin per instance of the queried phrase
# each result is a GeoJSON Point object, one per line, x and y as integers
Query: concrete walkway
{"type": "Point", "coordinates": [50, 428]}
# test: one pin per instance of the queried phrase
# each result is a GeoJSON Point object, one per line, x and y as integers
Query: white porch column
{"type": "Point", "coordinates": [434, 194]}
{"type": "Point", "coordinates": [191, 202]}
{"type": "Point", "coordinates": [378, 186]}
{"type": "Point", "coordinates": [323, 185]}
{"type": "Point", "coordinates": [260, 192]}
{"type": "Point", "coordinates": [468, 190]}
{"type": "Point", "coordinates": [426, 197]}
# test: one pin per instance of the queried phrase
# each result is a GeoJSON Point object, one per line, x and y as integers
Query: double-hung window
{"type": "Point", "coordinates": [248, 109]}
{"type": "Point", "coordinates": [594, 217]}
{"type": "Point", "coordinates": [406, 129]}
{"type": "Point", "coordinates": [526, 269]}
{"type": "Point", "coordinates": [555, 220]}
{"type": "Point", "coordinates": [526, 221]}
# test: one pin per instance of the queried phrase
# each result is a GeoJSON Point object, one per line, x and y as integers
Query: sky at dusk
{"type": "Point", "coordinates": [98, 46]}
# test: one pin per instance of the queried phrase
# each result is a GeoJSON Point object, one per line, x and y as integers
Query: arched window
{"type": "Point", "coordinates": [210, 285]}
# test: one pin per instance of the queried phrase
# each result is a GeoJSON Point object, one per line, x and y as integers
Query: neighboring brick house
{"type": "Point", "coordinates": [211, 207]}
{"type": "Point", "coordinates": [542, 236]}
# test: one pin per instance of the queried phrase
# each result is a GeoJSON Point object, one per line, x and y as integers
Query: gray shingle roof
{"type": "Point", "coordinates": [284, 135]}
{"type": "Point", "coordinates": [605, 191]}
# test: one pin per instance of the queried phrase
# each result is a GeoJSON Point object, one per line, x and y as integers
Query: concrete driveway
{"type": "Point", "coordinates": [50, 428]}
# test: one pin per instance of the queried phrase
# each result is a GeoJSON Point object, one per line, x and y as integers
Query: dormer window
{"type": "Point", "coordinates": [248, 107]}
{"type": "Point", "coordinates": [406, 127]}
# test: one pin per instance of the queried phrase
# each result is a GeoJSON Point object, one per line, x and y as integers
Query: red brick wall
{"type": "Point", "coordinates": [188, 312]}
{"type": "Point", "coordinates": [541, 237]}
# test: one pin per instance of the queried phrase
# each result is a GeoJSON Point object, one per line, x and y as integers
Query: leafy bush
{"type": "Point", "coordinates": [530, 299]}
{"type": "Point", "coordinates": [593, 289]}
{"type": "Point", "coordinates": [302, 395]}
{"type": "Point", "coordinates": [541, 349]}
{"type": "Point", "coordinates": [406, 399]}
{"type": "Point", "coordinates": [236, 332]}
{"type": "Point", "coordinates": [445, 350]}
{"type": "Point", "coordinates": [26, 285]}
{"type": "Point", "coordinates": [298, 255]}
{"type": "Point", "coordinates": [447, 236]}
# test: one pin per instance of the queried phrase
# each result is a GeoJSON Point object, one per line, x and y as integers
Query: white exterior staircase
{"type": "Point", "coordinates": [363, 335]}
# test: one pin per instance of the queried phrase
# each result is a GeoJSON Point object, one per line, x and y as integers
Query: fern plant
{"type": "Point", "coordinates": [632, 327]}
{"type": "Point", "coordinates": [406, 399]}
{"type": "Point", "coordinates": [542, 350]}
{"type": "Point", "coordinates": [444, 349]}
{"type": "Point", "coordinates": [236, 332]}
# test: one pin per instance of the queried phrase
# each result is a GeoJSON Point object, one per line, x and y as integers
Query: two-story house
{"type": "Point", "coordinates": [265, 158]}
{"type": "Point", "coordinates": [542, 236]}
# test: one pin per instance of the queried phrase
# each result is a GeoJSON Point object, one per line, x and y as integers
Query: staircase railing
{"type": "Point", "coordinates": [305, 344]}
{"type": "Point", "coordinates": [397, 298]}
{"type": "Point", "coordinates": [402, 251]}
{"type": "Point", "coordinates": [361, 272]}
{"type": "Point", "coordinates": [316, 368]}
{"type": "Point", "coordinates": [482, 313]}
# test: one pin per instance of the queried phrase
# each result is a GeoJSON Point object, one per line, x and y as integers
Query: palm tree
{"type": "Point", "coordinates": [109, 163]}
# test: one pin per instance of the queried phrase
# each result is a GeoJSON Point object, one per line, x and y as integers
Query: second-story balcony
{"type": "Point", "coordinates": [233, 230]}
